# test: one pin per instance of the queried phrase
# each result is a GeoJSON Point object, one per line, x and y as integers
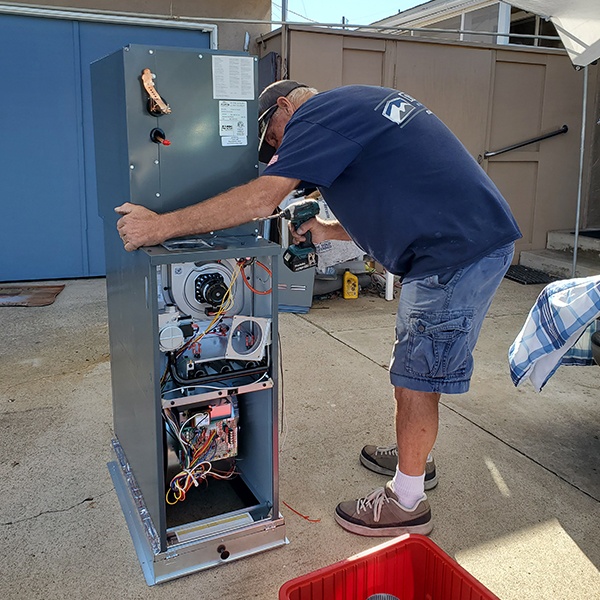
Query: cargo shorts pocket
{"type": "Point", "coordinates": [438, 343]}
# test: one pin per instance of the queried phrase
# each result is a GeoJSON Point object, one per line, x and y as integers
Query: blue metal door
{"type": "Point", "coordinates": [49, 224]}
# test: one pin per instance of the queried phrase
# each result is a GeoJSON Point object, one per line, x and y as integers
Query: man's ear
{"type": "Point", "coordinates": [285, 105]}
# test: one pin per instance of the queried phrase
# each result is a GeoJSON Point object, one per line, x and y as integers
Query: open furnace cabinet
{"type": "Point", "coordinates": [193, 322]}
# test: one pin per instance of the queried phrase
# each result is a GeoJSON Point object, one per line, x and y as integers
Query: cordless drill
{"type": "Point", "coordinates": [303, 255]}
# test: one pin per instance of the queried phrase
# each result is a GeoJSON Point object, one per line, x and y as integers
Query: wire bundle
{"type": "Point", "coordinates": [226, 304]}
{"type": "Point", "coordinates": [182, 482]}
{"type": "Point", "coordinates": [195, 455]}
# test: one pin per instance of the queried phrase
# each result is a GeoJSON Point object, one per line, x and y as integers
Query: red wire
{"type": "Point", "coordinates": [300, 514]}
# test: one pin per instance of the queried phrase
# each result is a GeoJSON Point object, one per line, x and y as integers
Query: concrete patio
{"type": "Point", "coordinates": [517, 503]}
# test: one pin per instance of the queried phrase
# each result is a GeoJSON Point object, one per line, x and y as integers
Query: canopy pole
{"type": "Point", "coordinates": [284, 40]}
{"type": "Point", "coordinates": [581, 153]}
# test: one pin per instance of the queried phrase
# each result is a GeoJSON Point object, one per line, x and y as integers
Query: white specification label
{"type": "Point", "coordinates": [234, 140]}
{"type": "Point", "coordinates": [233, 122]}
{"type": "Point", "coordinates": [233, 77]}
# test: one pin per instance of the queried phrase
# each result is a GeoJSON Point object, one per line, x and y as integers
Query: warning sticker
{"type": "Point", "coordinates": [233, 77]}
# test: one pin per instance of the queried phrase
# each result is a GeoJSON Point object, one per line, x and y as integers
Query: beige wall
{"type": "Point", "coordinates": [231, 35]}
{"type": "Point", "coordinates": [490, 97]}
{"type": "Point", "coordinates": [593, 207]}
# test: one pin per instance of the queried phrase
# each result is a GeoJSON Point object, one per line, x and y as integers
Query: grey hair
{"type": "Point", "coordinates": [300, 95]}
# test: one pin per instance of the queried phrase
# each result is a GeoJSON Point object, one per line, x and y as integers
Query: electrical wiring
{"type": "Point", "coordinates": [165, 374]}
{"type": "Point", "coordinates": [283, 426]}
{"type": "Point", "coordinates": [300, 514]}
{"type": "Point", "coordinates": [167, 415]}
{"type": "Point", "coordinates": [197, 448]}
{"type": "Point", "coordinates": [194, 438]}
{"type": "Point", "coordinates": [193, 388]}
{"type": "Point", "coordinates": [183, 481]}
{"type": "Point", "coordinates": [226, 304]}
{"type": "Point", "coordinates": [243, 264]}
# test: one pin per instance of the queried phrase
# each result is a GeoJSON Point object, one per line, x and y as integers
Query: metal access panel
{"type": "Point", "coordinates": [193, 322]}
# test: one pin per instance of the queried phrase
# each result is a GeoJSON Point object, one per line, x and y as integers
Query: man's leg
{"type": "Point", "coordinates": [416, 428]}
{"type": "Point", "coordinates": [401, 506]}
{"type": "Point", "coordinates": [438, 322]}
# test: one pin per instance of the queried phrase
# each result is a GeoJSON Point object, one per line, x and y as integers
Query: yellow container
{"type": "Point", "coordinates": [350, 289]}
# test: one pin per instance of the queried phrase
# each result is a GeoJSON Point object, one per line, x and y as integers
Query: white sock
{"type": "Point", "coordinates": [409, 489]}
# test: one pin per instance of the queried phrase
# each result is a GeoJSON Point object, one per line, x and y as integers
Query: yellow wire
{"type": "Point", "coordinates": [223, 308]}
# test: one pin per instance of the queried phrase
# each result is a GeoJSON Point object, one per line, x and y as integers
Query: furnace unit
{"type": "Point", "coordinates": [193, 322]}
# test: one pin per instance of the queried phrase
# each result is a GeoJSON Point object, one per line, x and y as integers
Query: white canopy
{"type": "Point", "coordinates": [577, 23]}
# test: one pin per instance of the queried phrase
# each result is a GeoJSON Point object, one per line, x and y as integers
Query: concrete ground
{"type": "Point", "coordinates": [517, 503]}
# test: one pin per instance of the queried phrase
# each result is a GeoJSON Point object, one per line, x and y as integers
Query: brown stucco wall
{"type": "Point", "coordinates": [231, 35]}
{"type": "Point", "coordinates": [592, 214]}
{"type": "Point", "coordinates": [491, 97]}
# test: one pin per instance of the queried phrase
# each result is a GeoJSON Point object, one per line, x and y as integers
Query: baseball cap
{"type": "Point", "coordinates": [267, 105]}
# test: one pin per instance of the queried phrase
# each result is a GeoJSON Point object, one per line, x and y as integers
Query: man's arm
{"type": "Point", "coordinates": [142, 227]}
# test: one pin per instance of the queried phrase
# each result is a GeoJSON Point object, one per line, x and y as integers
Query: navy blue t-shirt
{"type": "Point", "coordinates": [397, 179]}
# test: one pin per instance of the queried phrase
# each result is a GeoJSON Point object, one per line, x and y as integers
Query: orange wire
{"type": "Point", "coordinates": [265, 268]}
{"type": "Point", "coordinates": [266, 292]}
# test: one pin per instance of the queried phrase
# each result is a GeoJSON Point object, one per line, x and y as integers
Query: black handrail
{"type": "Point", "coordinates": [563, 129]}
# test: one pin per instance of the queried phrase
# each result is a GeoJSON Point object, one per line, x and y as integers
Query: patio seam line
{"type": "Point", "coordinates": [58, 510]}
{"type": "Point", "coordinates": [519, 451]}
{"type": "Point", "coordinates": [460, 415]}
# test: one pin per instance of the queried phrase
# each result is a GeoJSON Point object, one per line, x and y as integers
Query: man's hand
{"type": "Point", "coordinates": [138, 226]}
{"type": "Point", "coordinates": [320, 230]}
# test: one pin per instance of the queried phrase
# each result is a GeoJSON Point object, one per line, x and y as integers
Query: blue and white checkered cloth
{"type": "Point", "coordinates": [561, 314]}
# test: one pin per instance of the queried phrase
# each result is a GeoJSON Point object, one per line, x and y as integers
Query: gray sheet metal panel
{"type": "Point", "coordinates": [196, 165]}
{"type": "Point", "coordinates": [110, 134]}
{"type": "Point", "coordinates": [144, 171]}
{"type": "Point", "coordinates": [259, 444]}
{"type": "Point", "coordinates": [295, 289]}
{"type": "Point", "coordinates": [275, 376]}
{"type": "Point", "coordinates": [132, 323]}
{"type": "Point", "coordinates": [132, 300]}
{"type": "Point", "coordinates": [214, 248]}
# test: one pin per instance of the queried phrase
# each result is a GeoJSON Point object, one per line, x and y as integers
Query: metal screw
{"type": "Point", "coordinates": [150, 51]}
{"type": "Point", "coordinates": [157, 195]}
{"type": "Point", "coordinates": [200, 56]}
{"type": "Point", "coordinates": [131, 167]}
{"type": "Point", "coordinates": [156, 162]}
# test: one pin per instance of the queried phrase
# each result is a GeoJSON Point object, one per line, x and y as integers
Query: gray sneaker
{"type": "Point", "coordinates": [384, 459]}
{"type": "Point", "coordinates": [380, 515]}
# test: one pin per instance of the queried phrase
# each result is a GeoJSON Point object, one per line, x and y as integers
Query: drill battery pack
{"type": "Point", "coordinates": [297, 258]}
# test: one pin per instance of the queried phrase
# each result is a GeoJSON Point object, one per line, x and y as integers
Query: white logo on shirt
{"type": "Point", "coordinates": [273, 160]}
{"type": "Point", "coordinates": [397, 110]}
{"type": "Point", "coordinates": [402, 108]}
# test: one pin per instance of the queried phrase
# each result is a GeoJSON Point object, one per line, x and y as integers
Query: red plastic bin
{"type": "Point", "coordinates": [410, 567]}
